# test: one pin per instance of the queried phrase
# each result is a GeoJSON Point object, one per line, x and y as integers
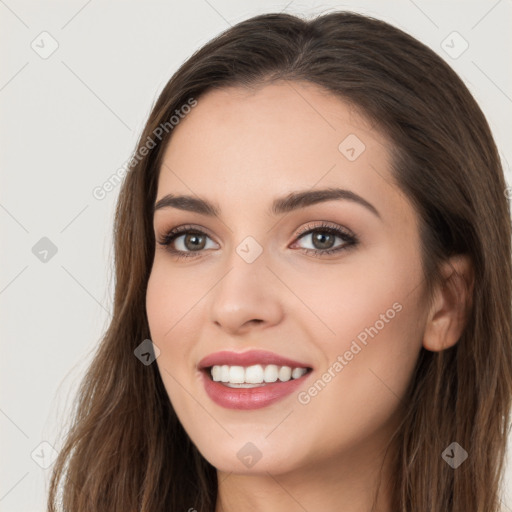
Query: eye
{"type": "Point", "coordinates": [323, 239]}
{"type": "Point", "coordinates": [184, 241]}
{"type": "Point", "coordinates": [190, 241]}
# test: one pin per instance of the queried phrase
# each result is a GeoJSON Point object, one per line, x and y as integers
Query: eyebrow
{"type": "Point", "coordinates": [290, 202]}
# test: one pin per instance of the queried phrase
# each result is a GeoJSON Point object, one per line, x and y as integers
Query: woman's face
{"type": "Point", "coordinates": [330, 283]}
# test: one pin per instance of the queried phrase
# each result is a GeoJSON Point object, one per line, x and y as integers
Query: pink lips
{"type": "Point", "coordinates": [249, 398]}
{"type": "Point", "coordinates": [247, 359]}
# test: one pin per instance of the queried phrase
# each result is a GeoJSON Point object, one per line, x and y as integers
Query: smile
{"type": "Point", "coordinates": [252, 379]}
{"type": "Point", "coordinates": [255, 375]}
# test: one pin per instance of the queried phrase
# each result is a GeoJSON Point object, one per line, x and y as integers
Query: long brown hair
{"type": "Point", "coordinates": [126, 450]}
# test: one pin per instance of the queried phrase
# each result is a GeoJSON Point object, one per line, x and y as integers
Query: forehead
{"type": "Point", "coordinates": [241, 145]}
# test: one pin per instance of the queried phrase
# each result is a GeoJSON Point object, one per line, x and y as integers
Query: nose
{"type": "Point", "coordinates": [247, 297]}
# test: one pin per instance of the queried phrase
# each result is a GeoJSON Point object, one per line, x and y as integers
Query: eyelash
{"type": "Point", "coordinates": [349, 238]}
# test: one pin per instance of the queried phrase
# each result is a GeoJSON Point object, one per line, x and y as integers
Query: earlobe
{"type": "Point", "coordinates": [451, 303]}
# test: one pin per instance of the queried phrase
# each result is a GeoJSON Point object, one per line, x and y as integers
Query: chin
{"type": "Point", "coordinates": [251, 457]}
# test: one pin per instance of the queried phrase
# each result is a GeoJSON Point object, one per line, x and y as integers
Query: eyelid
{"type": "Point", "coordinates": [325, 225]}
{"type": "Point", "coordinates": [304, 230]}
{"type": "Point", "coordinates": [184, 229]}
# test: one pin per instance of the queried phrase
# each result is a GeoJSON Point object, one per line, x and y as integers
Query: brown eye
{"type": "Point", "coordinates": [323, 239]}
{"type": "Point", "coordinates": [185, 241]}
{"type": "Point", "coordinates": [194, 241]}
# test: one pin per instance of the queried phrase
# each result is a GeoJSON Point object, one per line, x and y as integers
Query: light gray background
{"type": "Point", "coordinates": [70, 120]}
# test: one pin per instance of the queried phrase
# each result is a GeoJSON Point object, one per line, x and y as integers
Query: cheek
{"type": "Point", "coordinates": [175, 306]}
{"type": "Point", "coordinates": [367, 298]}
{"type": "Point", "coordinates": [168, 306]}
{"type": "Point", "coordinates": [171, 300]}
{"type": "Point", "coordinates": [170, 309]}
{"type": "Point", "coordinates": [160, 311]}
{"type": "Point", "coordinates": [376, 317]}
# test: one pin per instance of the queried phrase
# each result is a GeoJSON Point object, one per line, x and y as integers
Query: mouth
{"type": "Point", "coordinates": [254, 376]}
{"type": "Point", "coordinates": [251, 380]}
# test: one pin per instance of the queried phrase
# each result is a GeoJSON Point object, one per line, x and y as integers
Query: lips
{"type": "Point", "coordinates": [254, 397]}
{"type": "Point", "coordinates": [248, 358]}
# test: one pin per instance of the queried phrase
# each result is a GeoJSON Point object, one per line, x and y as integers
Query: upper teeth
{"type": "Point", "coordinates": [255, 374]}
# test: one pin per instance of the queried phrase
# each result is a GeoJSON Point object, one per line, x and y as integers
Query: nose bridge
{"type": "Point", "coordinates": [246, 292]}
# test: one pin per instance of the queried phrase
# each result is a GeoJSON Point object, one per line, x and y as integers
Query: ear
{"type": "Point", "coordinates": [450, 305]}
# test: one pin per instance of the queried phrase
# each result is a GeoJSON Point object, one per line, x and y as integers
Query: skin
{"type": "Point", "coordinates": [241, 149]}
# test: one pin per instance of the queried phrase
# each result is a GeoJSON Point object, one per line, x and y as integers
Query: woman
{"type": "Point", "coordinates": [313, 270]}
